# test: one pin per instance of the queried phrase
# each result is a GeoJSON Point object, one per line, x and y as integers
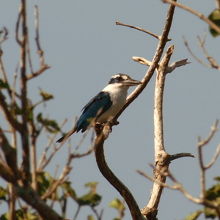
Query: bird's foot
{"type": "Point", "coordinates": [98, 127]}
{"type": "Point", "coordinates": [114, 122]}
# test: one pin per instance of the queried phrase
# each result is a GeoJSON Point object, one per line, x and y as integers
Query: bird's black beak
{"type": "Point", "coordinates": [131, 82]}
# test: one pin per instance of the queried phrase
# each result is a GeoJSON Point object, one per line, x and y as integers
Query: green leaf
{"type": "Point", "coordinates": [69, 190]}
{"type": "Point", "coordinates": [4, 217]}
{"type": "Point", "coordinates": [210, 213]}
{"type": "Point", "coordinates": [45, 95]}
{"type": "Point", "coordinates": [217, 178]}
{"type": "Point", "coordinates": [213, 193]}
{"type": "Point", "coordinates": [21, 214]}
{"type": "Point", "coordinates": [3, 193]}
{"type": "Point", "coordinates": [90, 199]}
{"type": "Point", "coordinates": [50, 125]}
{"type": "Point", "coordinates": [215, 18]}
{"type": "Point", "coordinates": [194, 215]}
{"type": "Point", "coordinates": [117, 204]}
{"type": "Point", "coordinates": [92, 186]}
{"type": "Point", "coordinates": [90, 217]}
{"type": "Point", "coordinates": [3, 85]}
{"type": "Point", "coordinates": [44, 181]}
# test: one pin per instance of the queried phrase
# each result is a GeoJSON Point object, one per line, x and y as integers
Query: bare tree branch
{"type": "Point", "coordinates": [176, 64]}
{"type": "Point", "coordinates": [193, 55]}
{"type": "Point", "coordinates": [23, 86]}
{"type": "Point", "coordinates": [161, 157]}
{"type": "Point", "coordinates": [214, 129]}
{"type": "Point", "coordinates": [217, 4]}
{"type": "Point", "coordinates": [155, 61]}
{"type": "Point", "coordinates": [213, 63]}
{"type": "Point", "coordinates": [110, 176]}
{"type": "Point", "coordinates": [203, 168]}
{"type": "Point", "coordinates": [180, 155]}
{"type": "Point", "coordinates": [214, 158]}
{"type": "Point", "coordinates": [178, 186]}
{"type": "Point", "coordinates": [194, 12]}
{"type": "Point", "coordinates": [140, 29]}
{"type": "Point", "coordinates": [169, 68]}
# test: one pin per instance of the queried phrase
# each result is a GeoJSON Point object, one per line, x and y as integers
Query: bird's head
{"type": "Point", "coordinates": [123, 80]}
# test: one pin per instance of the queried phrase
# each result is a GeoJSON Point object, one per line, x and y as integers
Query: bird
{"type": "Point", "coordinates": [105, 105]}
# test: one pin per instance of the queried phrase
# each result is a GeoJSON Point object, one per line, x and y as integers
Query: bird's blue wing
{"type": "Point", "coordinates": [96, 106]}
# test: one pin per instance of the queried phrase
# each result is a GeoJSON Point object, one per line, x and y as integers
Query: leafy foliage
{"type": "Point", "coordinates": [45, 95]}
{"type": "Point", "coordinates": [3, 193]}
{"type": "Point", "coordinates": [3, 85]}
{"type": "Point", "coordinates": [44, 181]}
{"type": "Point", "coordinates": [194, 215]}
{"type": "Point", "coordinates": [68, 190]}
{"type": "Point", "coordinates": [119, 206]}
{"type": "Point", "coordinates": [212, 194]}
{"type": "Point", "coordinates": [49, 124]}
{"type": "Point", "coordinates": [90, 217]}
{"type": "Point", "coordinates": [91, 198]}
{"type": "Point", "coordinates": [215, 18]}
{"type": "Point", "coordinates": [21, 214]}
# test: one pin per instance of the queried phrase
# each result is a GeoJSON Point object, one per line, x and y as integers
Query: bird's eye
{"type": "Point", "coordinates": [119, 79]}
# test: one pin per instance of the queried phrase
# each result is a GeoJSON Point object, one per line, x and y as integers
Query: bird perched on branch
{"type": "Point", "coordinates": [105, 105]}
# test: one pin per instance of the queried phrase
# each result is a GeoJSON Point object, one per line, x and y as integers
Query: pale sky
{"type": "Point", "coordinates": [84, 48]}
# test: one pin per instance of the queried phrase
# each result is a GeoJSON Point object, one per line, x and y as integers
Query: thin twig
{"type": "Point", "coordinates": [37, 38]}
{"type": "Point", "coordinates": [193, 55]}
{"type": "Point", "coordinates": [169, 68]}
{"type": "Point", "coordinates": [43, 160]}
{"type": "Point", "coordinates": [213, 130]}
{"type": "Point", "coordinates": [176, 64]}
{"type": "Point", "coordinates": [17, 27]}
{"type": "Point", "coordinates": [43, 66]}
{"type": "Point", "coordinates": [39, 72]}
{"type": "Point", "coordinates": [203, 168]}
{"type": "Point", "coordinates": [180, 155]}
{"type": "Point", "coordinates": [57, 183]}
{"type": "Point", "coordinates": [77, 212]}
{"type": "Point", "coordinates": [178, 186]}
{"type": "Point", "coordinates": [213, 63]}
{"type": "Point", "coordinates": [194, 12]}
{"type": "Point", "coordinates": [139, 29]}
{"type": "Point", "coordinates": [4, 35]}
{"type": "Point", "coordinates": [214, 158]}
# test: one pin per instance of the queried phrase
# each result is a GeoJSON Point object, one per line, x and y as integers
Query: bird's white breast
{"type": "Point", "coordinates": [118, 95]}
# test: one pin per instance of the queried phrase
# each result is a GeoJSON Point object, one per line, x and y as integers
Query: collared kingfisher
{"type": "Point", "coordinates": [105, 105]}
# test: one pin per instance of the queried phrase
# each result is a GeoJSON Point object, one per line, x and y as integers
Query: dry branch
{"type": "Point", "coordinates": [192, 53]}
{"type": "Point", "coordinates": [161, 157]}
{"type": "Point", "coordinates": [139, 29]}
{"type": "Point", "coordinates": [110, 176]}
{"type": "Point", "coordinates": [194, 12]}
{"type": "Point", "coordinates": [213, 63]}
{"type": "Point", "coordinates": [23, 87]}
{"type": "Point", "coordinates": [159, 51]}
{"type": "Point", "coordinates": [169, 68]}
